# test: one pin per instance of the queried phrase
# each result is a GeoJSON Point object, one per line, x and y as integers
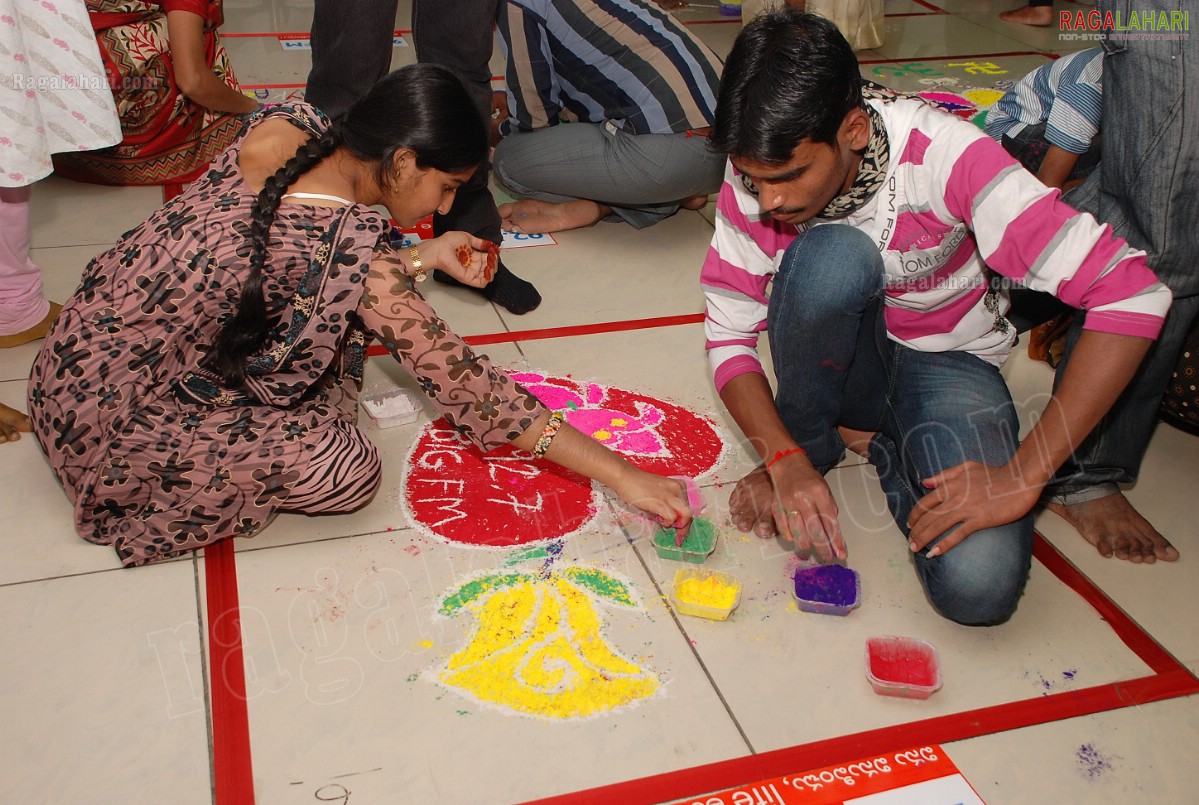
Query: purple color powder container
{"type": "Point", "coordinates": [828, 589]}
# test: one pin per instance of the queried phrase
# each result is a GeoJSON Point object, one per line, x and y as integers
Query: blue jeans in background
{"type": "Point", "coordinates": [1029, 146]}
{"type": "Point", "coordinates": [1146, 188]}
{"type": "Point", "coordinates": [931, 411]}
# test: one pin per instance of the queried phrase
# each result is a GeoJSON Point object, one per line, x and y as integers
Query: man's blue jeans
{"type": "Point", "coordinates": [931, 411]}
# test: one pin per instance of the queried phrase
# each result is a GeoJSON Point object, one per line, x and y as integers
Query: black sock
{"type": "Point", "coordinates": [505, 289]}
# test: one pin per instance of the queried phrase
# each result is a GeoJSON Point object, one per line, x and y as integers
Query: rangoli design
{"type": "Point", "coordinates": [538, 649]}
{"type": "Point", "coordinates": [507, 498]}
{"type": "Point", "coordinates": [969, 104]}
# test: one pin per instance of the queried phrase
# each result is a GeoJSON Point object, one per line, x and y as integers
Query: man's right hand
{"type": "Point", "coordinates": [804, 509]}
{"type": "Point", "coordinates": [793, 501]}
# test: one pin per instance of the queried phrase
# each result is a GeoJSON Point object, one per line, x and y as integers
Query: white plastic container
{"type": "Point", "coordinates": [392, 408]}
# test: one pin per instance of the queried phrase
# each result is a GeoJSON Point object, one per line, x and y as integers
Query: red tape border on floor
{"type": "Point", "coordinates": [233, 771]}
{"type": "Point", "coordinates": [288, 34]}
{"type": "Point", "coordinates": [567, 332]}
{"type": "Point", "coordinates": [972, 57]}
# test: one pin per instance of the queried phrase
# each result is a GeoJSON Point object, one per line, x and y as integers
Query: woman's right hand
{"type": "Point", "coordinates": [470, 260]}
{"type": "Point", "coordinates": [665, 499]}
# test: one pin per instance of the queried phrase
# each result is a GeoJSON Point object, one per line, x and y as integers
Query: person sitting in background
{"type": "Point", "coordinates": [205, 375]}
{"type": "Point", "coordinates": [351, 51]}
{"type": "Point", "coordinates": [1050, 122]}
{"type": "Point", "coordinates": [55, 97]}
{"type": "Point", "coordinates": [861, 22]}
{"type": "Point", "coordinates": [638, 90]}
{"type": "Point", "coordinates": [1050, 119]}
{"type": "Point", "coordinates": [175, 91]}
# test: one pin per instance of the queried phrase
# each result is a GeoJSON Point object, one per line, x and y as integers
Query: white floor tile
{"type": "Point", "coordinates": [104, 689]}
{"type": "Point", "coordinates": [66, 213]}
{"type": "Point", "coordinates": [613, 272]}
{"type": "Point", "coordinates": [1138, 754]}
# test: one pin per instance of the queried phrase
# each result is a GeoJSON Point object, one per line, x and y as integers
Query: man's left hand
{"type": "Point", "coordinates": [971, 496]}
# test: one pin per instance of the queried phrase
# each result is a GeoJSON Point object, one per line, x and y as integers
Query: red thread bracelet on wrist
{"type": "Point", "coordinates": [780, 455]}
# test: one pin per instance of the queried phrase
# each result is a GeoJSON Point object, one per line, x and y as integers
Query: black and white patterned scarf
{"type": "Point", "coordinates": [873, 170]}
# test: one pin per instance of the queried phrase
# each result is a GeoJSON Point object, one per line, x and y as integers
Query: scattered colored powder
{"type": "Point", "coordinates": [552, 552]}
{"type": "Point", "coordinates": [700, 539]}
{"type": "Point", "coordinates": [826, 584]}
{"type": "Point", "coordinates": [426, 644]}
{"type": "Point", "coordinates": [1093, 763]}
{"type": "Point", "coordinates": [707, 592]}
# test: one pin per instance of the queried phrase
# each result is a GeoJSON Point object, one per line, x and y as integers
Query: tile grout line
{"type": "Point", "coordinates": [691, 646]}
{"type": "Point", "coordinates": [205, 678]}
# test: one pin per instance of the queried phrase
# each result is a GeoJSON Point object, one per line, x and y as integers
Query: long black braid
{"type": "Point", "coordinates": [421, 107]}
{"type": "Point", "coordinates": [247, 330]}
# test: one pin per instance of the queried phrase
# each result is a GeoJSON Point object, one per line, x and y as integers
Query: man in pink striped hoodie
{"type": "Point", "coordinates": [888, 234]}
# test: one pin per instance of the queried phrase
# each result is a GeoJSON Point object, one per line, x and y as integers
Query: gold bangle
{"type": "Point", "coordinates": [418, 272]}
{"type": "Point", "coordinates": [547, 435]}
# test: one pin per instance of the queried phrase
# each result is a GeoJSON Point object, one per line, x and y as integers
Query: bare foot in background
{"type": "Point", "coordinates": [12, 422]}
{"type": "Point", "coordinates": [1113, 526]}
{"type": "Point", "coordinates": [1040, 16]}
{"type": "Point", "coordinates": [857, 441]}
{"type": "Point", "coordinates": [535, 217]}
{"type": "Point", "coordinates": [750, 504]}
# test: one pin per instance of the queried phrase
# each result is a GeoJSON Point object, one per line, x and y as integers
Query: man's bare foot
{"type": "Point", "coordinates": [750, 504]}
{"type": "Point", "coordinates": [694, 202]}
{"type": "Point", "coordinates": [1113, 526]}
{"type": "Point", "coordinates": [12, 422]}
{"type": "Point", "coordinates": [533, 217]}
{"type": "Point", "coordinates": [35, 332]}
{"type": "Point", "coordinates": [1040, 16]}
{"type": "Point", "coordinates": [856, 440]}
